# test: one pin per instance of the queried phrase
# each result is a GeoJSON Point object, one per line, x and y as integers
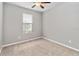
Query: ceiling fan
{"type": "Point", "coordinates": [40, 4]}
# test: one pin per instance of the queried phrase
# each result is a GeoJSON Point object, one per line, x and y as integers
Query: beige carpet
{"type": "Point", "coordinates": [40, 47]}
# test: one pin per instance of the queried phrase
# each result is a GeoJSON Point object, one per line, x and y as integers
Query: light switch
{"type": "Point", "coordinates": [19, 37]}
{"type": "Point", "coordinates": [70, 41]}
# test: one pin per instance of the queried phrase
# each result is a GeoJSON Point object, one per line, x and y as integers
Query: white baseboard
{"type": "Point", "coordinates": [38, 38]}
{"type": "Point", "coordinates": [19, 42]}
{"type": "Point", "coordinates": [61, 44]}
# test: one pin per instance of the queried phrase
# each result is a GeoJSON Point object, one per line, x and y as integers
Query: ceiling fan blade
{"type": "Point", "coordinates": [33, 6]}
{"type": "Point", "coordinates": [45, 2]}
{"type": "Point", "coordinates": [42, 6]}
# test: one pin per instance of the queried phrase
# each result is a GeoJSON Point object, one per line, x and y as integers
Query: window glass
{"type": "Point", "coordinates": [27, 23]}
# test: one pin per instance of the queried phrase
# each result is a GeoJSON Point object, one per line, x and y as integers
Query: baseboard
{"type": "Point", "coordinates": [61, 44]}
{"type": "Point", "coordinates": [38, 38]}
{"type": "Point", "coordinates": [19, 42]}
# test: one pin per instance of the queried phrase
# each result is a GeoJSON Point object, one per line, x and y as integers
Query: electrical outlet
{"type": "Point", "coordinates": [70, 41]}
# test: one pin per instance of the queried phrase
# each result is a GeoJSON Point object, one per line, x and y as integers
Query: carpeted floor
{"type": "Point", "coordinates": [39, 47]}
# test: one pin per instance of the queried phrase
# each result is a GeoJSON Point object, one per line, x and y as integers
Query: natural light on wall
{"type": "Point", "coordinates": [27, 23]}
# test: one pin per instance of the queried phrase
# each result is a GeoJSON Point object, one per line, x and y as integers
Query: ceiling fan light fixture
{"type": "Point", "coordinates": [38, 4]}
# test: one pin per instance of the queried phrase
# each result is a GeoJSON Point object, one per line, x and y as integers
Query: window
{"type": "Point", "coordinates": [27, 23]}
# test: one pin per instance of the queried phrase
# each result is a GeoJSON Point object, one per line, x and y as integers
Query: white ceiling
{"type": "Point", "coordinates": [29, 6]}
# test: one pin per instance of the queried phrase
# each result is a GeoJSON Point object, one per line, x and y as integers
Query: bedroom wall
{"type": "Point", "coordinates": [61, 23]}
{"type": "Point", "coordinates": [1, 21]}
{"type": "Point", "coordinates": [13, 31]}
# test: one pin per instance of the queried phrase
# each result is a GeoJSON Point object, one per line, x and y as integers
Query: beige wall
{"type": "Point", "coordinates": [1, 21]}
{"type": "Point", "coordinates": [61, 23]}
{"type": "Point", "coordinates": [13, 24]}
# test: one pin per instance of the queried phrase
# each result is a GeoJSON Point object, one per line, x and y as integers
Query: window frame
{"type": "Point", "coordinates": [27, 23]}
